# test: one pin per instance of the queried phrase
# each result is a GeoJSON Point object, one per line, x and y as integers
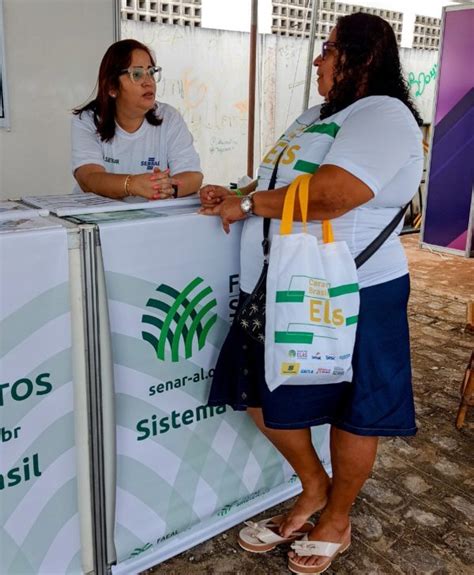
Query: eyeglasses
{"type": "Point", "coordinates": [137, 73]}
{"type": "Point", "coordinates": [327, 47]}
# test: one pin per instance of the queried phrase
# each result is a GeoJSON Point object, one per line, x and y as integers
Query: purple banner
{"type": "Point", "coordinates": [451, 166]}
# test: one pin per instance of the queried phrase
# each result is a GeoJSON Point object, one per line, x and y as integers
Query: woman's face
{"type": "Point", "coordinates": [136, 97]}
{"type": "Point", "coordinates": [325, 66]}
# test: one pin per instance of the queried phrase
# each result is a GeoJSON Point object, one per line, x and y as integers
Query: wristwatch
{"type": "Point", "coordinates": [246, 204]}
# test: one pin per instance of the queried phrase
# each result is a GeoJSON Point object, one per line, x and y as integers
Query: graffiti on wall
{"type": "Point", "coordinates": [418, 82]}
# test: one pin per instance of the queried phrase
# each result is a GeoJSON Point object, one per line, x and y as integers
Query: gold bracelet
{"type": "Point", "coordinates": [126, 185]}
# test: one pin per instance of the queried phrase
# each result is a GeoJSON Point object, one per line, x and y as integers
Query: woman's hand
{"type": "Point", "coordinates": [144, 186]}
{"type": "Point", "coordinates": [162, 184]}
{"type": "Point", "coordinates": [155, 186]}
{"type": "Point", "coordinates": [212, 196]}
{"type": "Point", "coordinates": [228, 209]}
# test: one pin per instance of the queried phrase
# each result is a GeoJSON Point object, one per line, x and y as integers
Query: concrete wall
{"type": "Point", "coordinates": [53, 49]}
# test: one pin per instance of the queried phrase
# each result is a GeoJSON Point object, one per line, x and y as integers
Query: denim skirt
{"type": "Point", "coordinates": [377, 402]}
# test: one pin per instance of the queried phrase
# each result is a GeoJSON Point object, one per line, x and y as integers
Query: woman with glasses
{"type": "Point", "coordinates": [126, 144]}
{"type": "Point", "coordinates": [363, 147]}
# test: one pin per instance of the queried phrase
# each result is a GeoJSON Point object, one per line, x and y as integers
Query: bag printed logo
{"type": "Point", "coordinates": [290, 368]}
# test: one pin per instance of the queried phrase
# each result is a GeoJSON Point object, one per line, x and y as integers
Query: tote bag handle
{"type": "Point", "coordinates": [301, 184]}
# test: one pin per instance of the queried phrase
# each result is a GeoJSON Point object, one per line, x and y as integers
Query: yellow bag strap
{"type": "Point", "coordinates": [301, 184]}
{"type": "Point", "coordinates": [328, 234]}
{"type": "Point", "coordinates": [286, 225]}
{"type": "Point", "coordinates": [303, 195]}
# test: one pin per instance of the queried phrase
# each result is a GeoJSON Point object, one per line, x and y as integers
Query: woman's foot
{"type": "Point", "coordinates": [313, 499]}
{"type": "Point", "coordinates": [328, 530]}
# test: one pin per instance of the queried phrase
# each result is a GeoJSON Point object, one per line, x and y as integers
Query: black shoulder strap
{"type": "Point", "coordinates": [266, 221]}
{"type": "Point", "coordinates": [379, 240]}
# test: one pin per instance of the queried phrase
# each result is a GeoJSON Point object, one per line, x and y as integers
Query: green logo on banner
{"type": "Point", "coordinates": [181, 318]}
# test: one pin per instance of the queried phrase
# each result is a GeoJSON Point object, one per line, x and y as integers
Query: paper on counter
{"type": "Point", "coordinates": [11, 210]}
{"type": "Point", "coordinates": [82, 203]}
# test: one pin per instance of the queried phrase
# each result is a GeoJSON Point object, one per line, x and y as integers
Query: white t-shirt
{"type": "Point", "coordinates": [169, 145]}
{"type": "Point", "coordinates": [377, 140]}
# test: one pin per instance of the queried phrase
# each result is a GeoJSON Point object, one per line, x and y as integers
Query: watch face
{"type": "Point", "coordinates": [246, 205]}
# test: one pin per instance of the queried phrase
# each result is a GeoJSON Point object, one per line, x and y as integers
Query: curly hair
{"type": "Point", "coordinates": [367, 64]}
{"type": "Point", "coordinates": [118, 57]}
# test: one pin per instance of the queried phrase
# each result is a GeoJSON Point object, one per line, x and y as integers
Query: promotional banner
{"type": "Point", "coordinates": [448, 207]}
{"type": "Point", "coordinates": [39, 525]}
{"type": "Point", "coordinates": [182, 467]}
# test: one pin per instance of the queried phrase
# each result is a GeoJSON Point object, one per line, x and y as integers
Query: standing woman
{"type": "Point", "coordinates": [363, 146]}
{"type": "Point", "coordinates": [124, 143]}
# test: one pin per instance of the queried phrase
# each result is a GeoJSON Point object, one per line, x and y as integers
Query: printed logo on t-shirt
{"type": "Point", "coordinates": [110, 160]}
{"type": "Point", "coordinates": [292, 154]}
{"type": "Point", "coordinates": [150, 163]}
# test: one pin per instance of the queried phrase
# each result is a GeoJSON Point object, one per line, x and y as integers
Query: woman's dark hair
{"type": "Point", "coordinates": [368, 64]}
{"type": "Point", "coordinates": [118, 57]}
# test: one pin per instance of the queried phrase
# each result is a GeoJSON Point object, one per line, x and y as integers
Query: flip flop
{"type": "Point", "coordinates": [306, 548]}
{"type": "Point", "coordinates": [262, 536]}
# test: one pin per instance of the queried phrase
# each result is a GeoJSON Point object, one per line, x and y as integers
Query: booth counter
{"type": "Point", "coordinates": [156, 471]}
{"type": "Point", "coordinates": [183, 468]}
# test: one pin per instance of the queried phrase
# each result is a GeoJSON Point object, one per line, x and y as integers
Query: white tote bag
{"type": "Point", "coordinates": [312, 303]}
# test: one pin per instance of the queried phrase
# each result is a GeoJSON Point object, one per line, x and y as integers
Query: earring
{"type": "Point", "coordinates": [113, 95]}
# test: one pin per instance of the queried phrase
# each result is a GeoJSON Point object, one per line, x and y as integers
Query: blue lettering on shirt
{"type": "Point", "coordinates": [150, 163]}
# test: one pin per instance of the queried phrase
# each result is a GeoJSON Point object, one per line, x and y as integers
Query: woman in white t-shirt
{"type": "Point", "coordinates": [126, 144]}
{"type": "Point", "coordinates": [364, 149]}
